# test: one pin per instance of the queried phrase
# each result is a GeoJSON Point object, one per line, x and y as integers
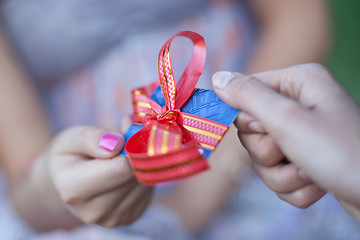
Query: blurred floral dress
{"type": "Point", "coordinates": [87, 56]}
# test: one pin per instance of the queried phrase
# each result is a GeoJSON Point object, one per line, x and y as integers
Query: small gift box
{"type": "Point", "coordinates": [175, 126]}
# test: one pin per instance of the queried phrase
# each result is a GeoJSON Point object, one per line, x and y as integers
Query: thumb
{"type": "Point", "coordinates": [91, 141]}
{"type": "Point", "coordinates": [274, 111]}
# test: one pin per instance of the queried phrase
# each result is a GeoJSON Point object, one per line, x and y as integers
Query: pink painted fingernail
{"type": "Point", "coordinates": [109, 141]}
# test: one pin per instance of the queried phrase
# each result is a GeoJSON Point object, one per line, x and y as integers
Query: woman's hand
{"type": "Point", "coordinates": [83, 169]}
{"type": "Point", "coordinates": [73, 180]}
{"type": "Point", "coordinates": [298, 118]}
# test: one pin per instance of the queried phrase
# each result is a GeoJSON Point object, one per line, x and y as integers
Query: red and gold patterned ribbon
{"type": "Point", "coordinates": [167, 147]}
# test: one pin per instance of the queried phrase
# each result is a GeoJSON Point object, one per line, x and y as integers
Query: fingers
{"type": "Point", "coordinates": [86, 179]}
{"type": "Point", "coordinates": [248, 124]}
{"type": "Point", "coordinates": [262, 148]}
{"type": "Point", "coordinates": [282, 178]}
{"type": "Point", "coordinates": [301, 82]}
{"type": "Point", "coordinates": [278, 96]}
{"type": "Point", "coordinates": [303, 197]}
{"type": "Point", "coordinates": [130, 208]}
{"type": "Point", "coordinates": [93, 210]}
{"type": "Point", "coordinates": [274, 111]}
{"type": "Point", "coordinates": [285, 180]}
{"type": "Point", "coordinates": [276, 116]}
{"type": "Point", "coordinates": [104, 175]}
{"type": "Point", "coordinates": [120, 206]}
{"type": "Point", "coordinates": [287, 122]}
{"type": "Point", "coordinates": [93, 142]}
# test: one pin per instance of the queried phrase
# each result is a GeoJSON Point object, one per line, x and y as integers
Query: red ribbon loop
{"type": "Point", "coordinates": [167, 147]}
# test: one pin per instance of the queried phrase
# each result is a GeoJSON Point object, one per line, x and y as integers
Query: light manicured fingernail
{"type": "Point", "coordinates": [245, 117]}
{"type": "Point", "coordinates": [256, 126]}
{"type": "Point", "coordinates": [303, 175]}
{"type": "Point", "coordinates": [109, 142]}
{"type": "Point", "coordinates": [221, 79]}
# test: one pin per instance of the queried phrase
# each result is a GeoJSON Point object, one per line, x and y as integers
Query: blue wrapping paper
{"type": "Point", "coordinates": [203, 103]}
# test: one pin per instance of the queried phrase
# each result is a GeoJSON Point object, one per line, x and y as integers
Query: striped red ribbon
{"type": "Point", "coordinates": [166, 148]}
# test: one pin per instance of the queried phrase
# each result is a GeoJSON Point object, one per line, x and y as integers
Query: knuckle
{"type": "Point", "coordinates": [125, 222]}
{"type": "Point", "coordinates": [131, 220]}
{"type": "Point", "coordinates": [277, 184]}
{"type": "Point", "coordinates": [136, 215]}
{"type": "Point", "coordinates": [110, 224]}
{"type": "Point", "coordinates": [94, 216]}
{"type": "Point", "coordinates": [69, 197]}
{"type": "Point", "coordinates": [290, 109]}
{"type": "Point", "coordinates": [127, 215]}
{"type": "Point", "coordinates": [127, 219]}
{"type": "Point", "coordinates": [300, 199]}
{"type": "Point", "coordinates": [303, 205]}
{"type": "Point", "coordinates": [68, 194]}
{"type": "Point", "coordinates": [290, 112]}
{"type": "Point", "coordinates": [265, 155]}
{"type": "Point", "coordinates": [282, 197]}
{"type": "Point", "coordinates": [267, 152]}
{"type": "Point", "coordinates": [314, 71]}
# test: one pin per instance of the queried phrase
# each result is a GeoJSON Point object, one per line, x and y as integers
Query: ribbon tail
{"type": "Point", "coordinates": [206, 133]}
{"type": "Point", "coordinates": [164, 157]}
{"type": "Point", "coordinates": [144, 108]}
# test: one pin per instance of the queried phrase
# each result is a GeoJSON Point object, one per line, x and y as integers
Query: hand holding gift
{"type": "Point", "coordinates": [298, 118]}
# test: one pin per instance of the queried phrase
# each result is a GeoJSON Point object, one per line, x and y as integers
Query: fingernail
{"type": "Point", "coordinates": [245, 117]}
{"type": "Point", "coordinates": [109, 141]}
{"type": "Point", "coordinates": [221, 79]}
{"type": "Point", "coordinates": [256, 126]}
{"type": "Point", "coordinates": [303, 175]}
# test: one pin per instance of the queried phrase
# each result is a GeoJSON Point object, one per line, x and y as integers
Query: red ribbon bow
{"type": "Point", "coordinates": [167, 147]}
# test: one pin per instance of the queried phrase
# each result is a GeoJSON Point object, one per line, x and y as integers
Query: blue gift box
{"type": "Point", "coordinates": [203, 103]}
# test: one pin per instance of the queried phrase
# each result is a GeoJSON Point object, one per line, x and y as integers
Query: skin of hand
{"type": "Point", "coordinates": [73, 180]}
{"type": "Point", "coordinates": [298, 118]}
{"type": "Point", "coordinates": [83, 171]}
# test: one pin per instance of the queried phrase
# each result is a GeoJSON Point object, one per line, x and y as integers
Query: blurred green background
{"type": "Point", "coordinates": [344, 57]}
